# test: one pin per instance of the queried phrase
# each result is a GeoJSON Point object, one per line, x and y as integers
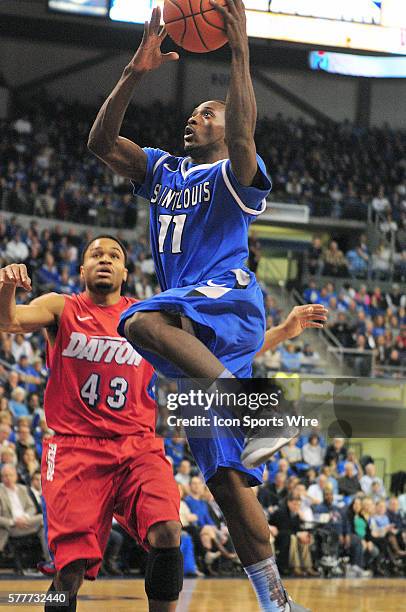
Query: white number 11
{"type": "Point", "coordinates": [165, 221]}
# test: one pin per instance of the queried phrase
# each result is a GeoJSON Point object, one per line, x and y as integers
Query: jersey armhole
{"type": "Point", "coordinates": [244, 207]}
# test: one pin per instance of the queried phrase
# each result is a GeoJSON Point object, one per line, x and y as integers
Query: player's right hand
{"type": "Point", "coordinates": [149, 55]}
{"type": "Point", "coordinates": [17, 275]}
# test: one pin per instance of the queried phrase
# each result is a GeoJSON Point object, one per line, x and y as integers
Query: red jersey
{"type": "Point", "coordinates": [99, 385]}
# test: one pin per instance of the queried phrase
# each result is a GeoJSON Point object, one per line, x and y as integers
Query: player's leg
{"type": "Point", "coordinates": [167, 336]}
{"type": "Point", "coordinates": [69, 579]}
{"type": "Point", "coordinates": [249, 531]}
{"type": "Point", "coordinates": [147, 506]}
{"type": "Point", "coordinates": [77, 476]}
{"type": "Point", "coordinates": [164, 573]}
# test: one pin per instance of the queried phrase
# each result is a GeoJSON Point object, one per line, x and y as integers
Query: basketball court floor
{"type": "Point", "coordinates": [218, 595]}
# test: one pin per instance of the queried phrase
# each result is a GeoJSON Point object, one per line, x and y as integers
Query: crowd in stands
{"type": "Point", "coordinates": [47, 171]}
{"type": "Point", "coordinates": [338, 170]}
{"type": "Point", "coordinates": [361, 260]}
{"type": "Point", "coordinates": [366, 319]}
{"type": "Point", "coordinates": [328, 512]}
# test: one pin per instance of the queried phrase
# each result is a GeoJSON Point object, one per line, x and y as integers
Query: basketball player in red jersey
{"type": "Point", "coordinates": [104, 458]}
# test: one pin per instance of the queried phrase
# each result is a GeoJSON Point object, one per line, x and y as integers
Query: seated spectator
{"type": "Point", "coordinates": [183, 474]}
{"type": "Point", "coordinates": [292, 453]}
{"type": "Point", "coordinates": [311, 294]}
{"type": "Point", "coordinates": [17, 404]}
{"type": "Point", "coordinates": [398, 523]}
{"type": "Point", "coordinates": [24, 440]}
{"type": "Point", "coordinates": [8, 456]}
{"type": "Point", "coordinates": [314, 256]}
{"type": "Point", "coordinates": [336, 451]}
{"type": "Point", "coordinates": [197, 504]}
{"type": "Point", "coordinates": [21, 346]}
{"type": "Point", "coordinates": [18, 517]}
{"type": "Point", "coordinates": [290, 358]}
{"type": "Point", "coordinates": [335, 263]}
{"type": "Point", "coordinates": [34, 490]}
{"type": "Point", "coordinates": [358, 258]}
{"type": "Point", "coordinates": [368, 478]}
{"type": "Point", "coordinates": [5, 435]}
{"type": "Point", "coordinates": [47, 276]}
{"type": "Point", "coordinates": [28, 375]}
{"type": "Point", "coordinates": [331, 480]}
{"type": "Point", "coordinates": [331, 517]}
{"type": "Point", "coordinates": [310, 359]}
{"type": "Point", "coordinates": [28, 466]}
{"type": "Point", "coordinates": [271, 495]}
{"type": "Point", "coordinates": [316, 491]}
{"type": "Point", "coordinates": [348, 485]}
{"type": "Point", "coordinates": [342, 330]}
{"type": "Point", "coordinates": [313, 453]}
{"type": "Point", "coordinates": [381, 262]}
{"type": "Point", "coordinates": [270, 360]}
{"type": "Point", "coordinates": [292, 543]}
{"type": "Point", "coordinates": [380, 203]}
{"type": "Point", "coordinates": [305, 511]}
{"type": "Point", "coordinates": [175, 448]}
{"type": "Point", "coordinates": [357, 524]}
{"type": "Point", "coordinates": [6, 353]}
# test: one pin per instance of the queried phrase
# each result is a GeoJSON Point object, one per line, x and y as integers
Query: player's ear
{"type": "Point", "coordinates": [82, 274]}
{"type": "Point", "coordinates": [125, 275]}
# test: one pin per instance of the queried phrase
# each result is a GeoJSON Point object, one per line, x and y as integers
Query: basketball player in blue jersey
{"type": "Point", "coordinates": [208, 322]}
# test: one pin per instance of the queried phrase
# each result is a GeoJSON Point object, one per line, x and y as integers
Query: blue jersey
{"type": "Point", "coordinates": [199, 217]}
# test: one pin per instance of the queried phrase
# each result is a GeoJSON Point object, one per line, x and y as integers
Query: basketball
{"type": "Point", "coordinates": [195, 25]}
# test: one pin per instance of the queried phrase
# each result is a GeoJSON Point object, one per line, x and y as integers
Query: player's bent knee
{"type": "Point", "coordinates": [164, 574]}
{"type": "Point", "coordinates": [141, 329]}
{"type": "Point", "coordinates": [165, 534]}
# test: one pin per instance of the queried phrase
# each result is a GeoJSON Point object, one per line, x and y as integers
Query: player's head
{"type": "Point", "coordinates": [205, 129]}
{"type": "Point", "coordinates": [103, 268]}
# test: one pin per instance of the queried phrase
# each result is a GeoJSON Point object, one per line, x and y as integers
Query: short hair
{"type": "Point", "coordinates": [99, 237]}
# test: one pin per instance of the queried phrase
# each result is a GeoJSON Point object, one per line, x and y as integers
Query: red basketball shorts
{"type": "Point", "coordinates": [86, 481]}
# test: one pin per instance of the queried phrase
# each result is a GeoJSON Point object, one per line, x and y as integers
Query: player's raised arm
{"type": "Point", "coordinates": [241, 106]}
{"type": "Point", "coordinates": [299, 319]}
{"type": "Point", "coordinates": [43, 312]}
{"type": "Point", "coordinates": [122, 155]}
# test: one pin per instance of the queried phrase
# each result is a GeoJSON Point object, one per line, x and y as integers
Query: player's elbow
{"type": "Point", "coordinates": [9, 327]}
{"type": "Point", "coordinates": [99, 146]}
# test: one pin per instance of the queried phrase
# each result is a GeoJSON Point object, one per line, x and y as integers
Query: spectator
{"type": "Point", "coordinates": [348, 485]}
{"type": "Point", "coordinates": [314, 256]}
{"type": "Point", "coordinates": [336, 451]}
{"type": "Point", "coordinates": [17, 404]}
{"type": "Point", "coordinates": [313, 453]}
{"type": "Point", "coordinates": [28, 466]}
{"type": "Point", "coordinates": [183, 474]}
{"type": "Point", "coordinates": [335, 263]}
{"type": "Point", "coordinates": [18, 518]}
{"type": "Point", "coordinates": [292, 543]}
{"type": "Point", "coordinates": [34, 490]}
{"type": "Point", "coordinates": [271, 495]}
{"type": "Point", "coordinates": [368, 478]}
{"type": "Point", "coordinates": [197, 504]}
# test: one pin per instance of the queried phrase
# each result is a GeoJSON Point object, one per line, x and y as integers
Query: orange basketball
{"type": "Point", "coordinates": [195, 25]}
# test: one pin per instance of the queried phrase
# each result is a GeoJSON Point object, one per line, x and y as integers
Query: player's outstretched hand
{"type": "Point", "coordinates": [149, 55]}
{"type": "Point", "coordinates": [15, 274]}
{"type": "Point", "coordinates": [303, 317]}
{"type": "Point", "coordinates": [236, 23]}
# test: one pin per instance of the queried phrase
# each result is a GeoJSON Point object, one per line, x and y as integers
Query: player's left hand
{"type": "Point", "coordinates": [236, 23]}
{"type": "Point", "coordinates": [303, 317]}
